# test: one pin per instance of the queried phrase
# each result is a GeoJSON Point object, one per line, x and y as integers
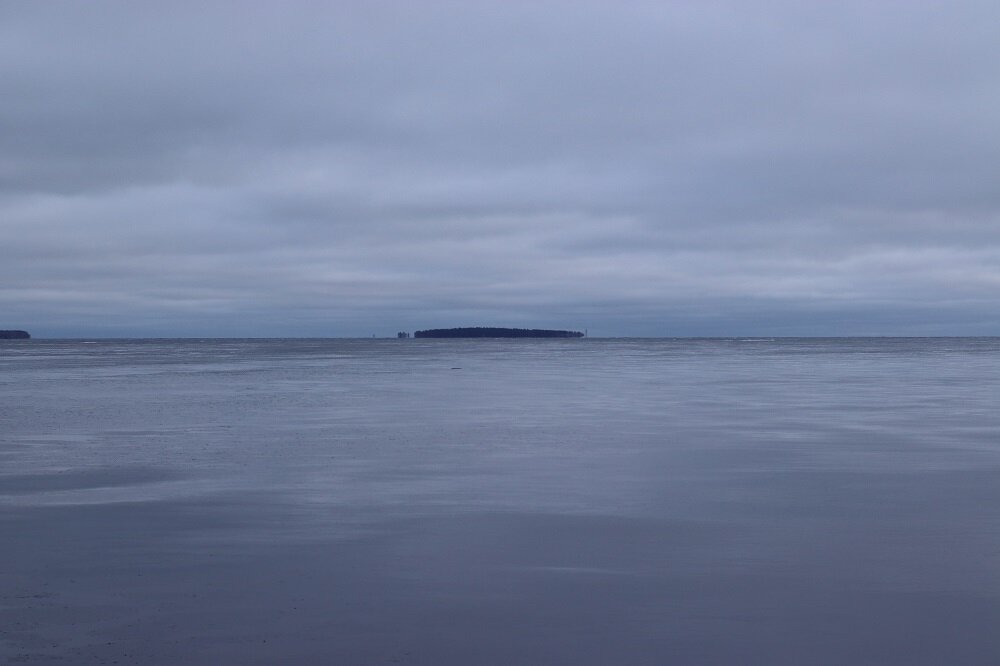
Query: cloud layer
{"type": "Point", "coordinates": [684, 168]}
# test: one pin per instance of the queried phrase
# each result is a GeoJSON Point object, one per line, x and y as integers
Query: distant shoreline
{"type": "Point", "coordinates": [487, 332]}
{"type": "Point", "coordinates": [14, 335]}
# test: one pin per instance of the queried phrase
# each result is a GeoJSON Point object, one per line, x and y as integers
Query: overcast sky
{"type": "Point", "coordinates": [349, 168]}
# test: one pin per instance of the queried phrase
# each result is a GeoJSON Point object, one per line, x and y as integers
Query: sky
{"type": "Point", "coordinates": [671, 168]}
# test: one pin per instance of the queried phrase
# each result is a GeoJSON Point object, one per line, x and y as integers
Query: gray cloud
{"type": "Point", "coordinates": [686, 168]}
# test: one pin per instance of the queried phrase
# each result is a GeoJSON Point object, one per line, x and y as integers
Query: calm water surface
{"type": "Point", "coordinates": [743, 501]}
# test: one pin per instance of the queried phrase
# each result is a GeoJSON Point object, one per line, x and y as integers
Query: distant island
{"type": "Point", "coordinates": [484, 332]}
{"type": "Point", "coordinates": [14, 335]}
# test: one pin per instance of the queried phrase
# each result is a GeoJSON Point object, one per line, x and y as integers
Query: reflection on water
{"type": "Point", "coordinates": [518, 501]}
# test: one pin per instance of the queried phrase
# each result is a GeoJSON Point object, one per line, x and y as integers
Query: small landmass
{"type": "Point", "coordinates": [486, 332]}
{"type": "Point", "coordinates": [14, 335]}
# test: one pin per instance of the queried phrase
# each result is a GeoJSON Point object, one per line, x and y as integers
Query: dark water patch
{"type": "Point", "coordinates": [107, 477]}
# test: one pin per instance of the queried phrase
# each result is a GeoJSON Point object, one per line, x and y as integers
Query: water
{"type": "Point", "coordinates": [767, 501]}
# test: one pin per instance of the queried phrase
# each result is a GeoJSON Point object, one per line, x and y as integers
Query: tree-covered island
{"type": "Point", "coordinates": [486, 332]}
{"type": "Point", "coordinates": [14, 335]}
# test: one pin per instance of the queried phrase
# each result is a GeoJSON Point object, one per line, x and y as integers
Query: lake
{"type": "Point", "coordinates": [582, 501]}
